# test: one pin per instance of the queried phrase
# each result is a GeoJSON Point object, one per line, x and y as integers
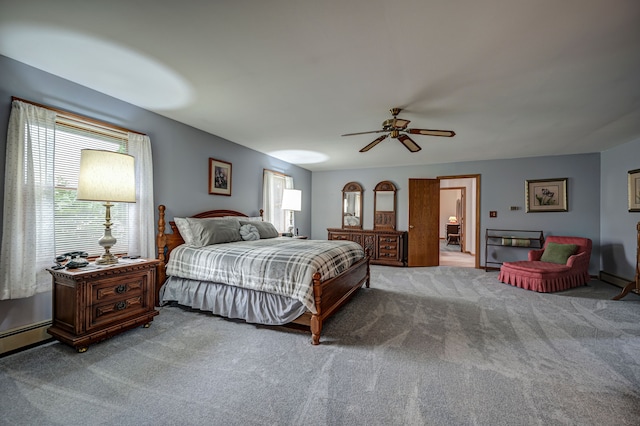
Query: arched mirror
{"type": "Point", "coordinates": [384, 206]}
{"type": "Point", "coordinates": [352, 206]}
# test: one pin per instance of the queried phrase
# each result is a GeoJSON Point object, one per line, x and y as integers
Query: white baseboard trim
{"type": "Point", "coordinates": [614, 279]}
{"type": "Point", "coordinates": [22, 337]}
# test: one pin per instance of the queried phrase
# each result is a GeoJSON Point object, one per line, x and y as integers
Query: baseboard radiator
{"type": "Point", "coordinates": [614, 279]}
{"type": "Point", "coordinates": [22, 337]}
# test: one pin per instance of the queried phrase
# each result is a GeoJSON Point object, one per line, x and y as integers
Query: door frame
{"type": "Point", "coordinates": [476, 201]}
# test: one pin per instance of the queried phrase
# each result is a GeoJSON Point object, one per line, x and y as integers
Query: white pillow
{"type": "Point", "coordinates": [249, 233]}
{"type": "Point", "coordinates": [250, 219]}
{"type": "Point", "coordinates": [185, 230]}
{"type": "Point", "coordinates": [266, 229]}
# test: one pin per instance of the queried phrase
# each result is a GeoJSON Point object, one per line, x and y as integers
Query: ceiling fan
{"type": "Point", "coordinates": [396, 128]}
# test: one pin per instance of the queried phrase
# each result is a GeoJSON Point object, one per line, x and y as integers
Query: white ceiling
{"type": "Point", "coordinates": [513, 78]}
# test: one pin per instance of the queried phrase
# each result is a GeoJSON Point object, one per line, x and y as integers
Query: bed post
{"type": "Point", "coordinates": [161, 241]}
{"type": "Point", "coordinates": [316, 319]}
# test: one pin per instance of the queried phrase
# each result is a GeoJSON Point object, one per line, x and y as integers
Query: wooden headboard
{"type": "Point", "coordinates": [167, 242]}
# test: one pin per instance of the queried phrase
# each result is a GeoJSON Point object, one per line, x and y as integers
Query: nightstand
{"type": "Point", "coordinates": [96, 302]}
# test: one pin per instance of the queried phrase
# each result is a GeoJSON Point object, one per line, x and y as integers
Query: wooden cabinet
{"type": "Point", "coordinates": [94, 303]}
{"type": "Point", "coordinates": [386, 247]}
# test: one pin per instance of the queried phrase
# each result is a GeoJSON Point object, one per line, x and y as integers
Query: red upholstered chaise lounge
{"type": "Point", "coordinates": [546, 277]}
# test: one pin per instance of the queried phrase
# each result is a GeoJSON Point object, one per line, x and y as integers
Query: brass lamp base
{"type": "Point", "coordinates": [107, 241]}
{"type": "Point", "coordinates": [106, 259]}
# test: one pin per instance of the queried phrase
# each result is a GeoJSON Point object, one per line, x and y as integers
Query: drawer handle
{"type": "Point", "coordinates": [120, 306]}
{"type": "Point", "coordinates": [121, 289]}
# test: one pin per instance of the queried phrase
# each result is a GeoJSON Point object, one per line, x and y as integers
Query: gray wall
{"type": "Point", "coordinates": [617, 224]}
{"type": "Point", "coordinates": [502, 185]}
{"type": "Point", "coordinates": [180, 156]}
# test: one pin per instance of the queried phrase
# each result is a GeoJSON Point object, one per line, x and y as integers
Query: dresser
{"type": "Point", "coordinates": [96, 302]}
{"type": "Point", "coordinates": [386, 247]}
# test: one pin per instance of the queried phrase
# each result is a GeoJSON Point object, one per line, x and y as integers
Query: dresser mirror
{"type": "Point", "coordinates": [384, 206]}
{"type": "Point", "coordinates": [352, 206]}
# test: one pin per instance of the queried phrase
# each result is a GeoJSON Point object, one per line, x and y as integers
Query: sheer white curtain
{"type": "Point", "coordinates": [268, 196]}
{"type": "Point", "coordinates": [28, 241]}
{"type": "Point", "coordinates": [273, 185]}
{"type": "Point", "coordinates": [141, 213]}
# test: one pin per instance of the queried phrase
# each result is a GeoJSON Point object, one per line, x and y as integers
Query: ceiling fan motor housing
{"type": "Point", "coordinates": [394, 123]}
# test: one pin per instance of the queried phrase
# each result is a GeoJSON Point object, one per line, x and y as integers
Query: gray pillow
{"type": "Point", "coordinates": [266, 229]}
{"type": "Point", "coordinates": [214, 231]}
{"type": "Point", "coordinates": [249, 233]}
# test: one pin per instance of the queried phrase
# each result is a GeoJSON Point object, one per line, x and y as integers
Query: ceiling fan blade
{"type": "Point", "coordinates": [374, 143]}
{"type": "Point", "coordinates": [409, 143]}
{"type": "Point", "coordinates": [364, 133]}
{"type": "Point", "coordinates": [429, 132]}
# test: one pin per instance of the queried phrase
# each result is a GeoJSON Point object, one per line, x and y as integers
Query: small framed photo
{"type": "Point", "coordinates": [633, 188]}
{"type": "Point", "coordinates": [219, 177]}
{"type": "Point", "coordinates": [546, 195]}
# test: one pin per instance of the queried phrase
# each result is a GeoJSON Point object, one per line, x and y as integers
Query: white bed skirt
{"type": "Point", "coordinates": [231, 302]}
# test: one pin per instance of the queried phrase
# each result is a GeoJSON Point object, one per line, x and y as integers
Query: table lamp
{"type": "Point", "coordinates": [292, 201]}
{"type": "Point", "coordinates": [453, 219]}
{"type": "Point", "coordinates": [109, 177]}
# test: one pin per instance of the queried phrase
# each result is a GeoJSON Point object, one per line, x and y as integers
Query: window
{"type": "Point", "coordinates": [274, 184]}
{"type": "Point", "coordinates": [41, 215]}
{"type": "Point", "coordinates": [80, 224]}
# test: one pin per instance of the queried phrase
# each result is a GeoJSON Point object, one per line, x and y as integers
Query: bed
{"type": "Point", "coordinates": [209, 288]}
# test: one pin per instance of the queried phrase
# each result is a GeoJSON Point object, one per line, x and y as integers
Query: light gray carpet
{"type": "Point", "coordinates": [434, 346]}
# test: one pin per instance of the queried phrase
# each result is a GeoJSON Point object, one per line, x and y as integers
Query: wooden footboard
{"type": "Point", "coordinates": [329, 295]}
{"type": "Point", "coordinates": [333, 293]}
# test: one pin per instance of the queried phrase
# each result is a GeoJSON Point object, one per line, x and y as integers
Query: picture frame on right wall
{"type": "Point", "coordinates": [546, 195]}
{"type": "Point", "coordinates": [633, 190]}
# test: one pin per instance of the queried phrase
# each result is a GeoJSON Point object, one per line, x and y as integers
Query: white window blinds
{"type": "Point", "coordinates": [80, 224]}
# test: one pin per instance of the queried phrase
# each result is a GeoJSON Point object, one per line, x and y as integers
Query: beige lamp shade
{"type": "Point", "coordinates": [106, 176]}
{"type": "Point", "coordinates": [453, 219]}
{"type": "Point", "coordinates": [292, 199]}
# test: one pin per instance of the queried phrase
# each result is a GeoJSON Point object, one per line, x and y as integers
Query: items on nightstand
{"type": "Point", "coordinates": [71, 260]}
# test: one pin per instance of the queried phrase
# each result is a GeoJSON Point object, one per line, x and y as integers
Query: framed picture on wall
{"type": "Point", "coordinates": [633, 188]}
{"type": "Point", "coordinates": [219, 177]}
{"type": "Point", "coordinates": [546, 195]}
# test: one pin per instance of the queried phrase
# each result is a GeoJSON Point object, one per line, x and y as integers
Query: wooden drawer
{"type": "Point", "coordinates": [117, 298]}
{"type": "Point", "coordinates": [388, 240]}
{"type": "Point", "coordinates": [344, 237]}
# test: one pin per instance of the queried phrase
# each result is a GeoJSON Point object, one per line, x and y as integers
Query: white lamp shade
{"type": "Point", "coordinates": [106, 176]}
{"type": "Point", "coordinates": [292, 199]}
{"type": "Point", "coordinates": [453, 219]}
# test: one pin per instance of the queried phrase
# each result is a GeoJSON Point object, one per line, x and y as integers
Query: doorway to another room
{"type": "Point", "coordinates": [427, 224]}
{"type": "Point", "coordinates": [458, 221]}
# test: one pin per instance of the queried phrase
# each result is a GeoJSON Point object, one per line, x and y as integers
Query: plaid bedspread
{"type": "Point", "coordinates": [282, 266]}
